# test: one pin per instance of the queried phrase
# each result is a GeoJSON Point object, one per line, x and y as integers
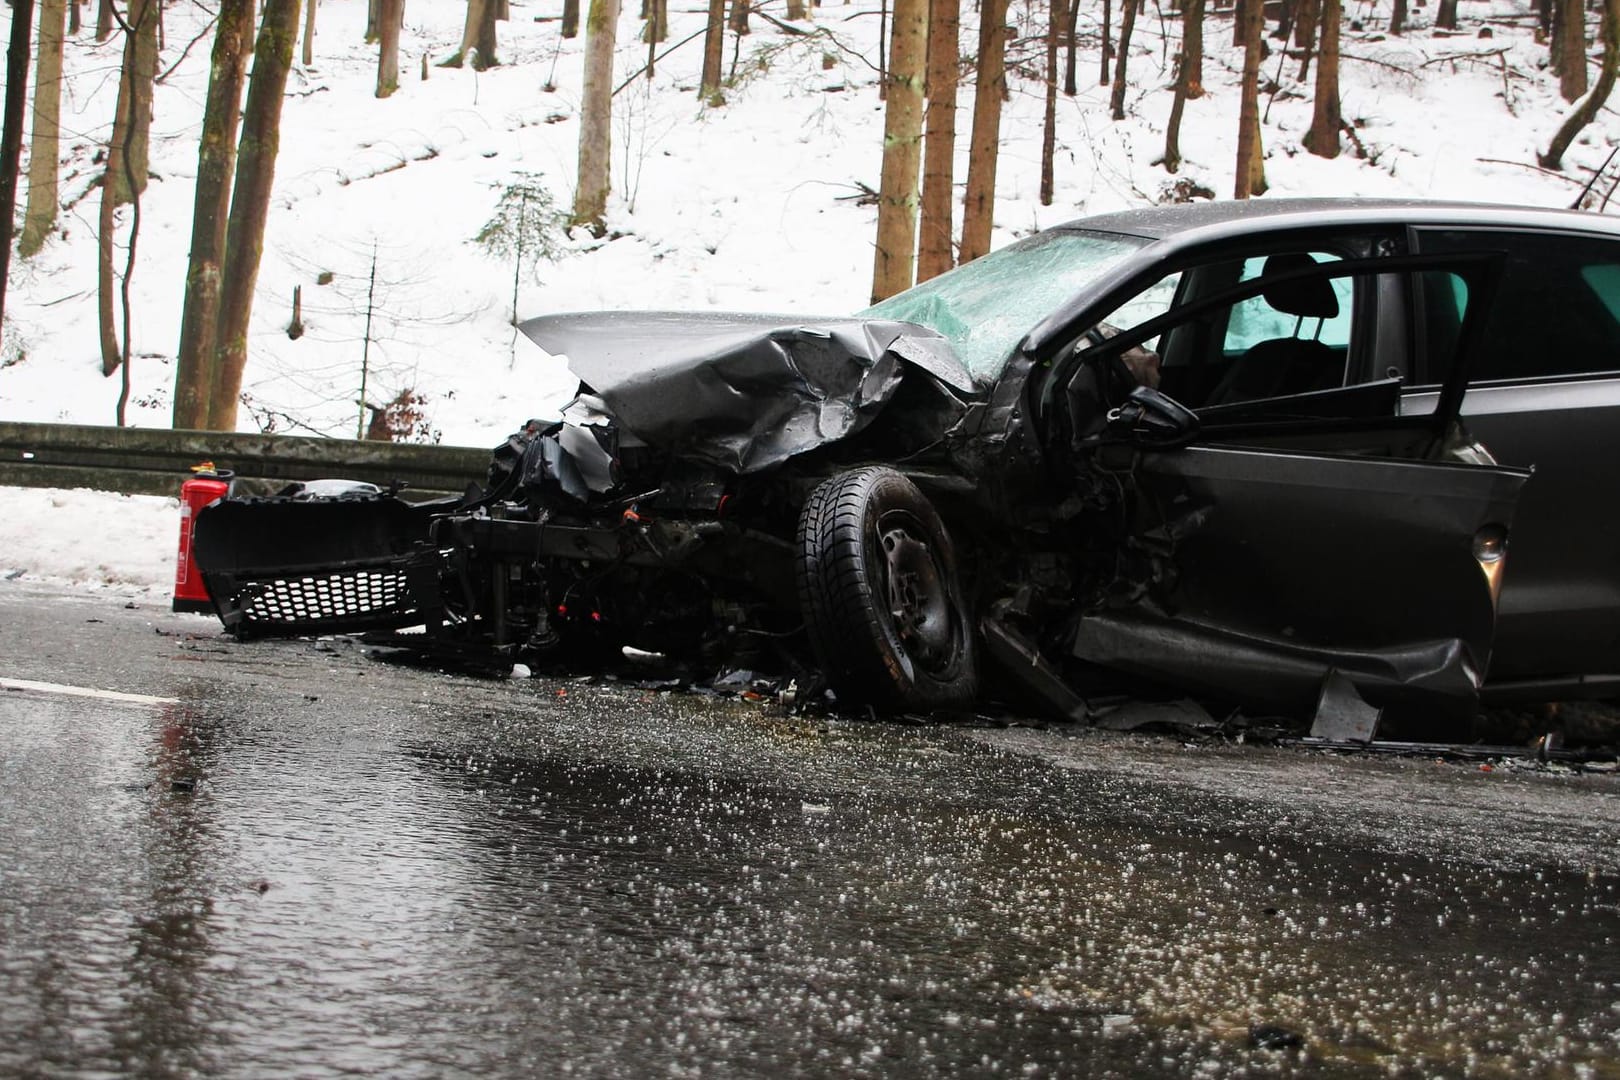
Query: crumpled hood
{"type": "Point", "coordinates": [743, 391]}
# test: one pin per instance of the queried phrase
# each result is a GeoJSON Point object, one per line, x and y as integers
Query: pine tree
{"type": "Point", "coordinates": [45, 145]}
{"type": "Point", "coordinates": [939, 146]}
{"type": "Point", "coordinates": [1323, 137]}
{"type": "Point", "coordinates": [979, 206]}
{"type": "Point", "coordinates": [895, 258]}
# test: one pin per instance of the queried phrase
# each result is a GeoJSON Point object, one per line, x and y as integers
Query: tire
{"type": "Point", "coordinates": [880, 596]}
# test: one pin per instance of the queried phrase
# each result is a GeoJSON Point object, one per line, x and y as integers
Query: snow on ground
{"type": "Point", "coordinates": [124, 542]}
{"type": "Point", "coordinates": [746, 206]}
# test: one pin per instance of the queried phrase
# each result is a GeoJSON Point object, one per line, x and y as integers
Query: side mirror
{"type": "Point", "coordinates": [1151, 419]}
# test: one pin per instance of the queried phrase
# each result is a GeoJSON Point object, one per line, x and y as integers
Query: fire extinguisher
{"type": "Point", "coordinates": [206, 485]}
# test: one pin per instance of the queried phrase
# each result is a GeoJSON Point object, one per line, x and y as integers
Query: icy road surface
{"type": "Point", "coordinates": [285, 858]}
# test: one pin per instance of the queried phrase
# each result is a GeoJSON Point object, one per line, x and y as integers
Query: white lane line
{"type": "Point", "coordinates": [84, 691]}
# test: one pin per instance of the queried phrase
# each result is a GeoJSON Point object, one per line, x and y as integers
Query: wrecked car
{"type": "Point", "coordinates": [1265, 455]}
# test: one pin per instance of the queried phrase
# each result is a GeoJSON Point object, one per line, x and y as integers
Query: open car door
{"type": "Point", "coordinates": [1295, 546]}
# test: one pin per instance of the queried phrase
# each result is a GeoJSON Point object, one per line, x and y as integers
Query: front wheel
{"type": "Point", "coordinates": [879, 591]}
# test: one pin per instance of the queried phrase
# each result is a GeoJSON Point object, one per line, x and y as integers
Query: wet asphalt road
{"type": "Point", "coordinates": [308, 862]}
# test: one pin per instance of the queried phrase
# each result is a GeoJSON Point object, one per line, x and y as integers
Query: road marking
{"type": "Point", "coordinates": [84, 691]}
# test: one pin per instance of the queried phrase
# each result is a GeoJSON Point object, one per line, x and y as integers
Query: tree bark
{"type": "Point", "coordinates": [1323, 137]}
{"type": "Point", "coordinates": [132, 116]}
{"type": "Point", "coordinates": [389, 20]}
{"type": "Point", "coordinates": [1571, 58]}
{"type": "Point", "coordinates": [1192, 37]}
{"type": "Point", "coordinates": [16, 112]}
{"type": "Point", "coordinates": [1445, 16]}
{"type": "Point", "coordinates": [1305, 35]}
{"type": "Point", "coordinates": [478, 36]}
{"type": "Point", "coordinates": [1127, 24]}
{"type": "Point", "coordinates": [1106, 52]}
{"type": "Point", "coordinates": [104, 20]}
{"type": "Point", "coordinates": [1587, 110]}
{"type": "Point", "coordinates": [210, 209]}
{"type": "Point", "coordinates": [1250, 179]}
{"type": "Point", "coordinates": [1192, 32]}
{"type": "Point", "coordinates": [1071, 45]}
{"type": "Point", "coordinates": [798, 10]}
{"type": "Point", "coordinates": [656, 28]}
{"type": "Point", "coordinates": [309, 32]}
{"type": "Point", "coordinates": [979, 206]}
{"type": "Point", "coordinates": [939, 147]}
{"type": "Point", "coordinates": [1397, 18]}
{"type": "Point", "coordinates": [1054, 30]}
{"type": "Point", "coordinates": [895, 259]}
{"type": "Point", "coordinates": [250, 204]}
{"type": "Point", "coordinates": [714, 40]}
{"type": "Point", "coordinates": [44, 150]}
{"type": "Point", "coordinates": [739, 17]}
{"type": "Point", "coordinates": [74, 18]}
{"type": "Point", "coordinates": [596, 117]}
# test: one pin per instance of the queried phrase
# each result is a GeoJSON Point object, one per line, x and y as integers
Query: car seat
{"type": "Point", "coordinates": [1278, 367]}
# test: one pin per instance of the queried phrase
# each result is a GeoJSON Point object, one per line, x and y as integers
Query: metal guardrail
{"type": "Point", "coordinates": [155, 461]}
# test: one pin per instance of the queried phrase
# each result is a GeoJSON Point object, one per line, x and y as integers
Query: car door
{"type": "Point", "coordinates": [1544, 393]}
{"type": "Point", "coordinates": [1310, 534]}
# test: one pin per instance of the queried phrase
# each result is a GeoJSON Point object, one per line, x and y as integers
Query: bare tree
{"type": "Point", "coordinates": [714, 41]}
{"type": "Point", "coordinates": [104, 20]}
{"type": "Point", "coordinates": [1071, 47]}
{"type": "Point", "coordinates": [44, 148]}
{"type": "Point", "coordinates": [979, 205]}
{"type": "Point", "coordinates": [894, 261]}
{"type": "Point", "coordinates": [1445, 15]}
{"type": "Point", "coordinates": [1105, 49]}
{"type": "Point", "coordinates": [570, 18]}
{"type": "Point", "coordinates": [739, 17]}
{"type": "Point", "coordinates": [1587, 110]}
{"type": "Point", "coordinates": [132, 116]}
{"type": "Point", "coordinates": [1569, 57]}
{"type": "Point", "coordinates": [211, 207]}
{"type": "Point", "coordinates": [74, 18]}
{"type": "Point", "coordinates": [250, 204]}
{"type": "Point", "coordinates": [939, 146]}
{"type": "Point", "coordinates": [1397, 18]}
{"type": "Point", "coordinates": [1054, 30]}
{"type": "Point", "coordinates": [1127, 23]}
{"type": "Point", "coordinates": [1305, 34]}
{"type": "Point", "coordinates": [1192, 45]}
{"type": "Point", "coordinates": [1251, 178]}
{"type": "Point", "coordinates": [1323, 137]}
{"type": "Point", "coordinates": [478, 36]}
{"type": "Point", "coordinates": [16, 108]}
{"type": "Point", "coordinates": [596, 117]}
{"type": "Point", "coordinates": [389, 19]}
{"type": "Point", "coordinates": [1192, 30]}
{"type": "Point", "coordinates": [656, 28]}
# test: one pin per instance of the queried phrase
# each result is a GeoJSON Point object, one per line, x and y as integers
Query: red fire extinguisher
{"type": "Point", "coordinates": [205, 485]}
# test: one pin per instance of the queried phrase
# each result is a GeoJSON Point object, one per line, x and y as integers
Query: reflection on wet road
{"type": "Point", "coordinates": [313, 863]}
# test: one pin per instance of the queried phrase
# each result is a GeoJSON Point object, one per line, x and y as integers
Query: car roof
{"type": "Point", "coordinates": [1200, 221]}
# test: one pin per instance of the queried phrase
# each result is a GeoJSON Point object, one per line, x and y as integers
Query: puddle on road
{"type": "Point", "coordinates": [632, 884]}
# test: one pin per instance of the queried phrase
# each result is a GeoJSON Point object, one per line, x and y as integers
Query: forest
{"type": "Point", "coordinates": [326, 216]}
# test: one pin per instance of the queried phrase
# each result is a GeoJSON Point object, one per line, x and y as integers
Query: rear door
{"type": "Point", "coordinates": [1544, 392]}
{"type": "Point", "coordinates": [1323, 531]}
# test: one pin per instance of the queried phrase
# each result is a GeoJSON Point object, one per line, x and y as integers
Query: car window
{"type": "Point", "coordinates": [1256, 320]}
{"type": "Point", "coordinates": [1556, 312]}
{"type": "Point", "coordinates": [985, 307]}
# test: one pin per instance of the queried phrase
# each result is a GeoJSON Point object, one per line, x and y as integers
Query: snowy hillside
{"type": "Point", "coordinates": [745, 206]}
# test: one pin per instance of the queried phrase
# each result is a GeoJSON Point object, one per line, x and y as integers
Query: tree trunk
{"type": "Point", "coordinates": [1250, 172]}
{"type": "Point", "coordinates": [1054, 31]}
{"type": "Point", "coordinates": [1071, 45]}
{"type": "Point", "coordinates": [1445, 16]}
{"type": "Point", "coordinates": [210, 209]}
{"type": "Point", "coordinates": [1397, 18]}
{"type": "Point", "coordinates": [1107, 52]}
{"type": "Point", "coordinates": [1305, 35]}
{"type": "Point", "coordinates": [798, 10]}
{"type": "Point", "coordinates": [714, 41]}
{"type": "Point", "coordinates": [250, 204]}
{"type": "Point", "coordinates": [44, 148]}
{"type": "Point", "coordinates": [1127, 23]}
{"type": "Point", "coordinates": [389, 20]}
{"type": "Point", "coordinates": [309, 32]}
{"type": "Point", "coordinates": [1192, 34]}
{"type": "Point", "coordinates": [939, 148]}
{"type": "Point", "coordinates": [132, 117]}
{"type": "Point", "coordinates": [739, 17]}
{"type": "Point", "coordinates": [1192, 49]}
{"type": "Point", "coordinates": [104, 20]}
{"type": "Point", "coordinates": [596, 117]}
{"type": "Point", "coordinates": [75, 23]}
{"type": "Point", "coordinates": [895, 258]}
{"type": "Point", "coordinates": [1571, 58]}
{"type": "Point", "coordinates": [1587, 110]}
{"type": "Point", "coordinates": [373, 20]}
{"type": "Point", "coordinates": [1323, 137]}
{"type": "Point", "coordinates": [478, 35]}
{"type": "Point", "coordinates": [656, 28]}
{"type": "Point", "coordinates": [979, 206]}
{"type": "Point", "coordinates": [16, 112]}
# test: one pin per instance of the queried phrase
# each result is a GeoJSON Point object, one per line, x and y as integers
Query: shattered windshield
{"type": "Point", "coordinates": [985, 307]}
